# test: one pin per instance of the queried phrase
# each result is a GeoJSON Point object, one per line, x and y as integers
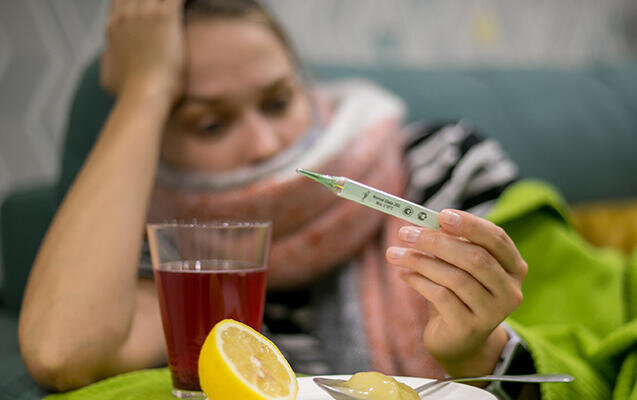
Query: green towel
{"type": "Point", "coordinates": [577, 315]}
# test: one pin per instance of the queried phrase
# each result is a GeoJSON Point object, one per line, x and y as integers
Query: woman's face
{"type": "Point", "coordinates": [242, 103]}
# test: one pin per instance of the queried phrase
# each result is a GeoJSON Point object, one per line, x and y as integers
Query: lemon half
{"type": "Point", "coordinates": [237, 362]}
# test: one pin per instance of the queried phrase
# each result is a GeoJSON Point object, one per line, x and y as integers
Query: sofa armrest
{"type": "Point", "coordinates": [15, 381]}
{"type": "Point", "coordinates": [24, 219]}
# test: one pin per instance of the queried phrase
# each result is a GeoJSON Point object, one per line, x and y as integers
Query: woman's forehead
{"type": "Point", "coordinates": [233, 58]}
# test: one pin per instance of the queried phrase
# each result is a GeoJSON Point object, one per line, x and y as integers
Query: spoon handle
{"type": "Point", "coordinates": [504, 378]}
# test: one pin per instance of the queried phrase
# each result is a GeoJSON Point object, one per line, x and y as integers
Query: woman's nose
{"type": "Point", "coordinates": [263, 141]}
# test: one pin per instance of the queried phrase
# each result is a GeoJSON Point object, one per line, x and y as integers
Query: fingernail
{"type": "Point", "coordinates": [396, 252]}
{"type": "Point", "coordinates": [409, 234]}
{"type": "Point", "coordinates": [448, 217]}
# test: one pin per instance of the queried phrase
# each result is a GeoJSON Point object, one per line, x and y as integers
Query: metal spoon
{"type": "Point", "coordinates": [335, 388]}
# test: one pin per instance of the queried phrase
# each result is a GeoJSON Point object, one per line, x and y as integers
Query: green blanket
{"type": "Point", "coordinates": [577, 314]}
{"type": "Point", "coordinates": [579, 301]}
{"type": "Point", "coordinates": [149, 384]}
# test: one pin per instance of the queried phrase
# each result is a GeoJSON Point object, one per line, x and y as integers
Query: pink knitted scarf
{"type": "Point", "coordinates": [314, 231]}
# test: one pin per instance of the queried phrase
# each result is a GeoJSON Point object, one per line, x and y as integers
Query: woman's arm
{"type": "Point", "coordinates": [85, 315]}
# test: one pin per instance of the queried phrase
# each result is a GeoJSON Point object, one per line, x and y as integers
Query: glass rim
{"type": "Point", "coordinates": [234, 224]}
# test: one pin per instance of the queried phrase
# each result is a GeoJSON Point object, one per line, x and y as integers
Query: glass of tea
{"type": "Point", "coordinates": [206, 272]}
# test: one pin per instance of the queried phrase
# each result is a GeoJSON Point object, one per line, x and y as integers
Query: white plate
{"type": "Point", "coordinates": [453, 391]}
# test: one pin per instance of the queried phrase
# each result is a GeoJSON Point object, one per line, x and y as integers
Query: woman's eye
{"type": "Point", "coordinates": [212, 128]}
{"type": "Point", "coordinates": [275, 106]}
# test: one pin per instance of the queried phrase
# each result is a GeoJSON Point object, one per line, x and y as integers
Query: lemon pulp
{"type": "Point", "coordinates": [238, 362]}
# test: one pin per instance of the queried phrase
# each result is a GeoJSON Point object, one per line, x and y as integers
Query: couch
{"type": "Point", "coordinates": [575, 128]}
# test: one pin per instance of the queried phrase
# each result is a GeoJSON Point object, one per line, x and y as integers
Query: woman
{"type": "Point", "coordinates": [215, 108]}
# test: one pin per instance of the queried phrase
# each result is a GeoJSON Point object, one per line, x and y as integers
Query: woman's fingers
{"type": "Point", "coordinates": [487, 235]}
{"type": "Point", "coordinates": [176, 3]}
{"type": "Point", "coordinates": [129, 6]}
{"type": "Point", "coordinates": [448, 305]}
{"type": "Point", "coordinates": [121, 9]}
{"type": "Point", "coordinates": [145, 45]}
{"type": "Point", "coordinates": [117, 4]}
{"type": "Point", "coordinates": [463, 254]}
{"type": "Point", "coordinates": [167, 5]}
{"type": "Point", "coordinates": [471, 292]}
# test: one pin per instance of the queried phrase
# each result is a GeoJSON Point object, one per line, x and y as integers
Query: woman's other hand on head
{"type": "Point", "coordinates": [144, 47]}
{"type": "Point", "coordinates": [471, 273]}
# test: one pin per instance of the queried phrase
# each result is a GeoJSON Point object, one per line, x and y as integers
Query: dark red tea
{"type": "Point", "coordinates": [195, 296]}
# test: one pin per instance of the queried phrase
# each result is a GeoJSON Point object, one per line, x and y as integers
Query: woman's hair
{"type": "Point", "coordinates": [250, 10]}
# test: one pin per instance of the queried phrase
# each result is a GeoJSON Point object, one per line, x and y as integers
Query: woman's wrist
{"type": "Point", "coordinates": [483, 361]}
{"type": "Point", "coordinates": [148, 99]}
{"type": "Point", "coordinates": [159, 91]}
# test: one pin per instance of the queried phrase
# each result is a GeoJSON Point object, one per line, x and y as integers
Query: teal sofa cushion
{"type": "Point", "coordinates": [574, 128]}
{"type": "Point", "coordinates": [89, 110]}
{"type": "Point", "coordinates": [15, 381]}
{"type": "Point", "coordinates": [24, 219]}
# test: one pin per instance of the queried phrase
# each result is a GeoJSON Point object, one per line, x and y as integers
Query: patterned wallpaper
{"type": "Point", "coordinates": [462, 32]}
{"type": "Point", "coordinates": [44, 44]}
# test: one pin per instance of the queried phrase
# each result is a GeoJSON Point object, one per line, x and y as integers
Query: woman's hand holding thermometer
{"type": "Point", "coordinates": [466, 267]}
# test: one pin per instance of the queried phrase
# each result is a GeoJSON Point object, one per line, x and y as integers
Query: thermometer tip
{"type": "Point", "coordinates": [307, 173]}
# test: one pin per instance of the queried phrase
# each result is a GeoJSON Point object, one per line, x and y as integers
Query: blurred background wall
{"type": "Point", "coordinates": [462, 32]}
{"type": "Point", "coordinates": [45, 44]}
